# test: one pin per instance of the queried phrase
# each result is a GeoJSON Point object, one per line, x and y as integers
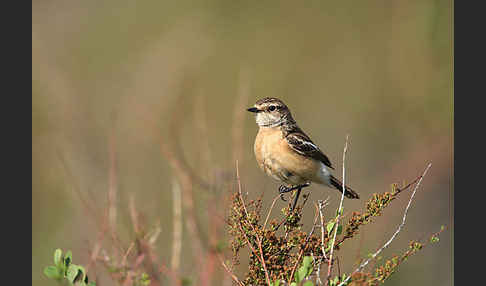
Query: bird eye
{"type": "Point", "coordinates": [272, 108]}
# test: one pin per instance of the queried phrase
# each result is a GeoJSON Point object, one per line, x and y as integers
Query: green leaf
{"type": "Point", "coordinates": [307, 261]}
{"type": "Point", "coordinates": [276, 283]}
{"type": "Point", "coordinates": [434, 239]}
{"type": "Point", "coordinates": [52, 272]}
{"type": "Point", "coordinates": [91, 284]}
{"type": "Point", "coordinates": [68, 258]}
{"type": "Point", "coordinates": [339, 229]}
{"type": "Point", "coordinates": [82, 275]}
{"type": "Point", "coordinates": [301, 273]}
{"type": "Point", "coordinates": [58, 257]}
{"type": "Point", "coordinates": [330, 226]}
{"type": "Point", "coordinates": [339, 212]}
{"type": "Point", "coordinates": [328, 247]}
{"type": "Point", "coordinates": [334, 281]}
{"type": "Point", "coordinates": [293, 284]}
{"type": "Point", "coordinates": [343, 277]}
{"type": "Point", "coordinates": [308, 283]}
{"type": "Point", "coordinates": [186, 281]}
{"type": "Point", "coordinates": [144, 279]}
{"type": "Point", "coordinates": [72, 272]}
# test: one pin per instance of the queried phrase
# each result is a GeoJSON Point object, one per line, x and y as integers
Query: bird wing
{"type": "Point", "coordinates": [302, 144]}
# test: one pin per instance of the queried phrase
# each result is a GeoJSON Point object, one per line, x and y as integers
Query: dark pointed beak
{"type": "Point", "coordinates": [253, 109]}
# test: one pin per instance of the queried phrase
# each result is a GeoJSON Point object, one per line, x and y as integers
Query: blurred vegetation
{"type": "Point", "coordinates": [143, 103]}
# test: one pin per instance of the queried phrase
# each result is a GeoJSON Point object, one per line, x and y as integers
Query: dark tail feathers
{"type": "Point", "coordinates": [349, 192]}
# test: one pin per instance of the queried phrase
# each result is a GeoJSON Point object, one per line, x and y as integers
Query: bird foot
{"type": "Point", "coordinates": [284, 189]}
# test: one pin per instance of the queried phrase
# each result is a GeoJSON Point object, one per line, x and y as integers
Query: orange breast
{"type": "Point", "coordinates": [276, 158]}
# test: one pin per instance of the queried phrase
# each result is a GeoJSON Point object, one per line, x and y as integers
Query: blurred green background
{"type": "Point", "coordinates": [117, 73]}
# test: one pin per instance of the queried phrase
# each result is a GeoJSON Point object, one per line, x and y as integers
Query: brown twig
{"type": "Point", "coordinates": [301, 252]}
{"type": "Point", "coordinates": [124, 259]}
{"type": "Point", "coordinates": [187, 200]}
{"type": "Point", "coordinates": [134, 215]}
{"type": "Point", "coordinates": [97, 244]}
{"type": "Point", "coordinates": [270, 210]}
{"type": "Point", "coordinates": [88, 205]}
{"type": "Point", "coordinates": [259, 242]}
{"type": "Point", "coordinates": [233, 276]}
{"type": "Point", "coordinates": [249, 244]}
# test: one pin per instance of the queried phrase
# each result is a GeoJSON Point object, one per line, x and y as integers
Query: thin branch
{"type": "Point", "coordinates": [339, 212]}
{"type": "Point", "coordinates": [187, 198]}
{"type": "Point", "coordinates": [250, 245]}
{"type": "Point", "coordinates": [270, 210]}
{"type": "Point", "coordinates": [233, 276]}
{"type": "Point", "coordinates": [177, 225]}
{"type": "Point", "coordinates": [322, 205]}
{"type": "Point", "coordinates": [239, 189]}
{"type": "Point", "coordinates": [259, 242]}
{"type": "Point", "coordinates": [363, 265]}
{"type": "Point", "coordinates": [303, 247]}
{"type": "Point", "coordinates": [125, 256]}
{"type": "Point", "coordinates": [134, 215]}
{"type": "Point", "coordinates": [89, 206]}
{"type": "Point", "coordinates": [112, 188]}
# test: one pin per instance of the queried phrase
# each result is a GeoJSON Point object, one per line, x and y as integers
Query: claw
{"type": "Point", "coordinates": [283, 189]}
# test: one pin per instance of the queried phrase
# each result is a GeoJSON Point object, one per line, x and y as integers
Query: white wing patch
{"type": "Point", "coordinates": [324, 175]}
{"type": "Point", "coordinates": [310, 144]}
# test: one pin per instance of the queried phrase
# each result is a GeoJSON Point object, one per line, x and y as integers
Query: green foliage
{"type": "Point", "coordinates": [338, 279]}
{"type": "Point", "coordinates": [304, 271]}
{"type": "Point", "coordinates": [64, 269]}
{"type": "Point", "coordinates": [302, 275]}
{"type": "Point", "coordinates": [144, 280]}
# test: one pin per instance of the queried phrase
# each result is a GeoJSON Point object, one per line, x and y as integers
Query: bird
{"type": "Point", "coordinates": [285, 153]}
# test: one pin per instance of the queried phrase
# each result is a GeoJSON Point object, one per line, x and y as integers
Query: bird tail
{"type": "Point", "coordinates": [349, 192]}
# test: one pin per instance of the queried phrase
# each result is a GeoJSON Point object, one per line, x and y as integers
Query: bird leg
{"type": "Point", "coordinates": [295, 199]}
{"type": "Point", "coordinates": [283, 189]}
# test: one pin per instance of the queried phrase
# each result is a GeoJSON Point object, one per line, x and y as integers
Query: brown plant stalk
{"type": "Point", "coordinates": [259, 242]}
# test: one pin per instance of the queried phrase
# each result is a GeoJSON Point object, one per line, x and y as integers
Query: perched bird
{"type": "Point", "coordinates": [284, 152]}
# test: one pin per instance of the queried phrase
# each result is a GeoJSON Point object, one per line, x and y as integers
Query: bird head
{"type": "Point", "coordinates": [270, 112]}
